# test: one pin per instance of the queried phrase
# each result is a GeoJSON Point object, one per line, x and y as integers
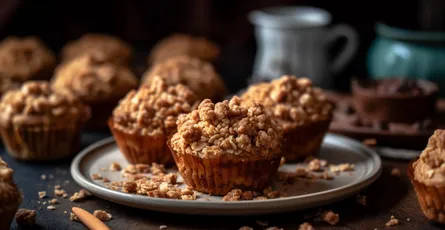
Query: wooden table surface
{"type": "Point", "coordinates": [389, 195]}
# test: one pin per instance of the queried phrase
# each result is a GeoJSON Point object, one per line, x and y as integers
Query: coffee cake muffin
{"type": "Point", "coordinates": [145, 118]}
{"type": "Point", "coordinates": [302, 110]}
{"type": "Point", "coordinates": [97, 83]}
{"type": "Point", "coordinates": [37, 123]}
{"type": "Point", "coordinates": [10, 196]}
{"type": "Point", "coordinates": [427, 175]}
{"type": "Point", "coordinates": [23, 59]}
{"type": "Point", "coordinates": [198, 75]}
{"type": "Point", "coordinates": [114, 49]}
{"type": "Point", "coordinates": [183, 44]}
{"type": "Point", "coordinates": [223, 146]}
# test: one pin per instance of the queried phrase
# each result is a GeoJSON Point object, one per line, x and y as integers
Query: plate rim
{"type": "Point", "coordinates": [343, 191]}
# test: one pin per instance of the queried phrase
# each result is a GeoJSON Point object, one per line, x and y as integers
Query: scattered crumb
{"type": "Point", "coordinates": [51, 207]}
{"type": "Point", "coordinates": [395, 172]}
{"type": "Point", "coordinates": [65, 212]}
{"type": "Point", "coordinates": [314, 165]}
{"type": "Point", "coordinates": [327, 176]}
{"type": "Point", "coordinates": [53, 201]}
{"type": "Point", "coordinates": [341, 167]}
{"type": "Point", "coordinates": [105, 180]}
{"type": "Point", "coordinates": [163, 227]}
{"type": "Point", "coordinates": [245, 228]}
{"type": "Point", "coordinates": [370, 142]}
{"type": "Point", "coordinates": [238, 194]}
{"type": "Point", "coordinates": [273, 228]}
{"type": "Point", "coordinates": [330, 217]}
{"type": "Point", "coordinates": [74, 217]}
{"type": "Point", "coordinates": [65, 195]}
{"type": "Point", "coordinates": [408, 219]}
{"type": "Point", "coordinates": [26, 217]}
{"type": "Point", "coordinates": [306, 226]}
{"type": "Point", "coordinates": [392, 222]}
{"type": "Point", "coordinates": [157, 169]}
{"type": "Point", "coordinates": [131, 169]}
{"type": "Point", "coordinates": [142, 168]}
{"type": "Point", "coordinates": [102, 215]}
{"type": "Point", "coordinates": [96, 176]}
{"type": "Point", "coordinates": [282, 161]}
{"type": "Point", "coordinates": [43, 177]}
{"type": "Point", "coordinates": [51, 176]}
{"type": "Point", "coordinates": [42, 194]}
{"type": "Point", "coordinates": [115, 167]}
{"type": "Point", "coordinates": [59, 192]}
{"type": "Point", "coordinates": [103, 169]}
{"type": "Point", "coordinates": [360, 199]}
{"type": "Point", "coordinates": [58, 187]}
{"type": "Point", "coordinates": [81, 195]}
{"type": "Point", "coordinates": [44, 202]}
{"type": "Point", "coordinates": [262, 223]}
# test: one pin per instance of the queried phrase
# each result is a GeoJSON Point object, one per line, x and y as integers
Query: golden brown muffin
{"type": "Point", "coordinates": [97, 82]}
{"type": "Point", "coordinates": [198, 75]}
{"type": "Point", "coordinates": [145, 118]}
{"type": "Point", "coordinates": [37, 123]}
{"type": "Point", "coordinates": [183, 44]}
{"type": "Point", "coordinates": [10, 196]}
{"type": "Point", "coordinates": [27, 58]}
{"type": "Point", "coordinates": [427, 175]}
{"type": "Point", "coordinates": [223, 146]}
{"type": "Point", "coordinates": [302, 110]}
{"type": "Point", "coordinates": [114, 49]}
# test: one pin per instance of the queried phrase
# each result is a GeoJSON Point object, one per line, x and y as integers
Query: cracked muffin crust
{"type": "Point", "coordinates": [37, 123]}
{"type": "Point", "coordinates": [96, 82]}
{"type": "Point", "coordinates": [10, 196]}
{"type": "Point", "coordinates": [223, 146]}
{"type": "Point", "coordinates": [114, 49]}
{"type": "Point", "coordinates": [200, 76]}
{"type": "Point", "coordinates": [183, 44]}
{"type": "Point", "coordinates": [146, 117]}
{"type": "Point", "coordinates": [26, 58]}
{"type": "Point", "coordinates": [301, 109]}
{"type": "Point", "coordinates": [427, 175]}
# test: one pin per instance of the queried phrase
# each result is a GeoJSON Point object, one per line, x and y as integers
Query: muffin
{"type": "Point", "coordinates": [10, 196]}
{"type": "Point", "coordinates": [97, 83]}
{"type": "Point", "coordinates": [302, 110]}
{"type": "Point", "coordinates": [198, 75]}
{"type": "Point", "coordinates": [114, 49]}
{"type": "Point", "coordinates": [145, 118]}
{"type": "Point", "coordinates": [183, 44]}
{"type": "Point", "coordinates": [427, 175]}
{"type": "Point", "coordinates": [224, 146]}
{"type": "Point", "coordinates": [23, 59]}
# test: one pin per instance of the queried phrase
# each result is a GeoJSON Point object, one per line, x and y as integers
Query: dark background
{"type": "Point", "coordinates": [142, 23]}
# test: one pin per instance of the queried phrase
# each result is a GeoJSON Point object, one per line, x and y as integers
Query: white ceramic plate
{"type": "Point", "coordinates": [302, 194]}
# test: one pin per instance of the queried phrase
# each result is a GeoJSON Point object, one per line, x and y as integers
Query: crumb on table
{"type": "Point", "coordinates": [306, 226]}
{"type": "Point", "coordinates": [42, 194]}
{"type": "Point", "coordinates": [330, 217]}
{"type": "Point", "coordinates": [81, 195]}
{"type": "Point", "coordinates": [102, 215]}
{"type": "Point", "coordinates": [392, 222]}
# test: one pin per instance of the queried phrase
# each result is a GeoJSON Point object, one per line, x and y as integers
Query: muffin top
{"type": "Point", "coordinates": [153, 109]}
{"type": "Point", "coordinates": [198, 75]}
{"type": "Point", "coordinates": [35, 103]}
{"type": "Point", "coordinates": [25, 58]}
{"type": "Point", "coordinates": [291, 101]}
{"type": "Point", "coordinates": [228, 128]}
{"type": "Point", "coordinates": [430, 167]}
{"type": "Point", "coordinates": [93, 79]}
{"type": "Point", "coordinates": [114, 49]}
{"type": "Point", "coordinates": [183, 44]}
{"type": "Point", "coordinates": [9, 193]}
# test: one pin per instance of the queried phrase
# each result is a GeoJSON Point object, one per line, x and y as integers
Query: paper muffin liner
{"type": "Point", "coordinates": [41, 143]}
{"type": "Point", "coordinates": [305, 140]}
{"type": "Point", "coordinates": [218, 176]}
{"type": "Point", "coordinates": [431, 198]}
{"type": "Point", "coordinates": [142, 149]}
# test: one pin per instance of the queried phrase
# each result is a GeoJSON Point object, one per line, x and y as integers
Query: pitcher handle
{"type": "Point", "coordinates": [349, 48]}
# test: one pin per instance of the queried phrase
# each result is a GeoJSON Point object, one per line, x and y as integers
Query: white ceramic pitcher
{"type": "Point", "coordinates": [296, 40]}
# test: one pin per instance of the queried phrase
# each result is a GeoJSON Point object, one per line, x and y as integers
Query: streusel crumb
{"type": "Point", "coordinates": [238, 194]}
{"type": "Point", "coordinates": [330, 217]}
{"type": "Point", "coordinates": [227, 128]}
{"type": "Point", "coordinates": [81, 195]}
{"type": "Point", "coordinates": [42, 194]}
{"type": "Point", "coordinates": [102, 215]}
{"type": "Point", "coordinates": [341, 168]}
{"type": "Point", "coordinates": [115, 167]}
{"type": "Point", "coordinates": [59, 192]}
{"type": "Point", "coordinates": [96, 176]}
{"type": "Point", "coordinates": [392, 222]}
{"type": "Point", "coordinates": [73, 217]}
{"type": "Point", "coordinates": [306, 226]}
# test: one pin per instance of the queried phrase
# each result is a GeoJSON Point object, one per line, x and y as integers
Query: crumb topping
{"type": "Point", "coordinates": [291, 101]}
{"type": "Point", "coordinates": [91, 78]}
{"type": "Point", "coordinates": [102, 215]}
{"type": "Point", "coordinates": [227, 128]}
{"type": "Point", "coordinates": [23, 59]}
{"type": "Point", "coordinates": [153, 109]}
{"type": "Point", "coordinates": [198, 75]}
{"type": "Point", "coordinates": [430, 167]}
{"type": "Point", "coordinates": [36, 103]}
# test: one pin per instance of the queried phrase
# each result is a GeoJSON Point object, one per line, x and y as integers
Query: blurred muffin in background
{"type": "Point", "coordinates": [183, 44]}
{"type": "Point", "coordinates": [301, 109]}
{"type": "Point", "coordinates": [37, 123]}
{"type": "Point", "coordinates": [23, 59]}
{"type": "Point", "coordinates": [96, 82]}
{"type": "Point", "coordinates": [10, 196]}
{"type": "Point", "coordinates": [114, 49]}
{"type": "Point", "coordinates": [198, 75]}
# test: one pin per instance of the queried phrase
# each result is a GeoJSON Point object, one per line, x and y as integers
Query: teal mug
{"type": "Point", "coordinates": [408, 53]}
